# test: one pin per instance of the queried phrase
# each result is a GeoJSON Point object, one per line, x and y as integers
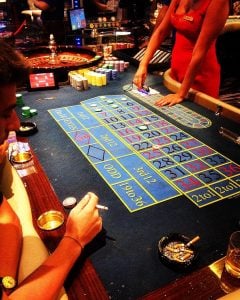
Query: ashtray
{"type": "Point", "coordinates": [21, 157]}
{"type": "Point", "coordinates": [50, 220]}
{"type": "Point", "coordinates": [27, 128]}
{"type": "Point", "coordinates": [177, 251]}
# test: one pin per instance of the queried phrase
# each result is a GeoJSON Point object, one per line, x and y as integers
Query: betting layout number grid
{"type": "Point", "coordinates": [144, 158]}
{"type": "Point", "coordinates": [178, 112]}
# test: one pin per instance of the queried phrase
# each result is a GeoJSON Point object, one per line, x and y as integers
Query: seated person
{"type": "Point", "coordinates": [45, 281]}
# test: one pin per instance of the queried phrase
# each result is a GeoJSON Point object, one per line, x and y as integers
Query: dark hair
{"type": "Point", "coordinates": [13, 65]}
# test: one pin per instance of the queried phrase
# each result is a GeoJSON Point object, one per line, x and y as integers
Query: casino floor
{"type": "Point", "coordinates": [123, 262]}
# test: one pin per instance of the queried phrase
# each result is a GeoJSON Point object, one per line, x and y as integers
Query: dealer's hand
{"type": "Point", "coordinates": [170, 100]}
{"type": "Point", "coordinates": [140, 76]}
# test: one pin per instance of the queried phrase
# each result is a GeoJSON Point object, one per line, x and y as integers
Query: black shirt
{"type": "Point", "coordinates": [136, 9]}
{"type": "Point", "coordinates": [55, 12]}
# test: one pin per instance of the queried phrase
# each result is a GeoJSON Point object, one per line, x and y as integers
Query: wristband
{"type": "Point", "coordinates": [72, 238]}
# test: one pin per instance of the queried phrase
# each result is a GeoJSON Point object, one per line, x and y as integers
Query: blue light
{"type": "Point", "coordinates": [78, 41]}
{"type": "Point", "coordinates": [76, 4]}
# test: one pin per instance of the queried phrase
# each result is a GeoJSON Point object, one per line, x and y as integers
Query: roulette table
{"type": "Point", "coordinates": [67, 58]}
{"type": "Point", "coordinates": [127, 259]}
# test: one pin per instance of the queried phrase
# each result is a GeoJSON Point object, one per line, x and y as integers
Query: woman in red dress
{"type": "Point", "coordinates": [197, 24]}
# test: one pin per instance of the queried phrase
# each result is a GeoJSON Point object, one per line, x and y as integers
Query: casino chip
{"type": "Point", "coordinates": [156, 147]}
{"type": "Point", "coordinates": [69, 202]}
{"type": "Point", "coordinates": [97, 109]}
{"type": "Point", "coordinates": [143, 127]}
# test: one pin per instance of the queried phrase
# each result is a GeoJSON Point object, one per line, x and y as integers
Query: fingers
{"type": "Point", "coordinates": [138, 82]}
{"type": "Point", "coordinates": [84, 222]}
{"type": "Point", "coordinates": [169, 100]}
{"type": "Point", "coordinates": [92, 200]}
{"type": "Point", "coordinates": [84, 201]}
{"type": "Point", "coordinates": [89, 202]}
{"type": "Point", "coordinates": [99, 224]}
{"type": "Point", "coordinates": [162, 102]}
{"type": "Point", "coordinates": [140, 77]}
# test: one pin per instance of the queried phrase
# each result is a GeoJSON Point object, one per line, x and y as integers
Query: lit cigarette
{"type": "Point", "coordinates": [101, 207]}
{"type": "Point", "coordinates": [194, 240]}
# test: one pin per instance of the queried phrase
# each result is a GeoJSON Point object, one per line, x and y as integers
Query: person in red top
{"type": "Point", "coordinates": [82, 225]}
{"type": "Point", "coordinates": [197, 24]}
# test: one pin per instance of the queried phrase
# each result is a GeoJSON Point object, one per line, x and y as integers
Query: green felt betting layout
{"type": "Point", "coordinates": [142, 157]}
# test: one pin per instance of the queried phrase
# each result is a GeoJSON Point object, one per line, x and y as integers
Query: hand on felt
{"type": "Point", "coordinates": [170, 100]}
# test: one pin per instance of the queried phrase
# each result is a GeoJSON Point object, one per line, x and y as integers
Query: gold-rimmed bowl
{"type": "Point", "coordinates": [21, 157]}
{"type": "Point", "coordinates": [50, 220]}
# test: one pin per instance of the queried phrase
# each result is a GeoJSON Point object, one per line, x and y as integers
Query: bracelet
{"type": "Point", "coordinates": [72, 238]}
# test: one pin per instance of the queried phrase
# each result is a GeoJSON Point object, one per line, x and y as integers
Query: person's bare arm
{"type": "Point", "coordinates": [10, 240]}
{"type": "Point", "coordinates": [41, 4]}
{"type": "Point", "coordinates": [83, 224]}
{"type": "Point", "coordinates": [100, 6]}
{"type": "Point", "coordinates": [158, 36]}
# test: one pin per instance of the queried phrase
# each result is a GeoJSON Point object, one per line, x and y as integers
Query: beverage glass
{"type": "Point", "coordinates": [228, 283]}
{"type": "Point", "coordinates": [232, 260]}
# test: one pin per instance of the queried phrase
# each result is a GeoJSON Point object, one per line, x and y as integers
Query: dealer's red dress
{"type": "Point", "coordinates": [187, 27]}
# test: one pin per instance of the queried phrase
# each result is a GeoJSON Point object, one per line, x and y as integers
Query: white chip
{"type": "Point", "coordinates": [110, 101]}
{"type": "Point", "coordinates": [98, 109]}
{"type": "Point", "coordinates": [143, 127]}
{"type": "Point", "coordinates": [69, 202]}
{"type": "Point", "coordinates": [156, 147]}
{"type": "Point", "coordinates": [114, 106]}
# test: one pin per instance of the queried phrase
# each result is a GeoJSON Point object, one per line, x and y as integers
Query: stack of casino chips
{"type": "Point", "coordinates": [81, 79]}
{"type": "Point", "coordinates": [109, 73]}
{"type": "Point", "coordinates": [78, 81]}
{"type": "Point", "coordinates": [121, 45]}
{"type": "Point", "coordinates": [100, 76]}
{"type": "Point", "coordinates": [19, 100]}
{"type": "Point", "coordinates": [28, 112]}
{"type": "Point", "coordinates": [112, 62]}
{"type": "Point", "coordinates": [95, 78]}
